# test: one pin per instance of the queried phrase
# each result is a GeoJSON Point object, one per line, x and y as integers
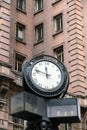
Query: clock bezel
{"type": "Point", "coordinates": [43, 89]}
{"type": "Point", "coordinates": [31, 86]}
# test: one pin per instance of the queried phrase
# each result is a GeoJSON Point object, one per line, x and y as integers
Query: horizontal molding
{"type": "Point", "coordinates": [74, 2]}
{"type": "Point", "coordinates": [77, 68]}
{"type": "Point", "coordinates": [74, 17]}
{"type": "Point", "coordinates": [78, 82]}
{"type": "Point", "coordinates": [5, 4]}
{"type": "Point", "coordinates": [76, 95]}
{"type": "Point", "coordinates": [80, 87]}
{"type": "Point", "coordinates": [79, 92]}
{"type": "Point", "coordinates": [2, 63]}
{"type": "Point", "coordinates": [70, 39]}
{"type": "Point", "coordinates": [78, 8]}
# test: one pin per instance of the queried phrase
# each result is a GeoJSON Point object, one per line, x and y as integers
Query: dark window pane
{"type": "Point", "coordinates": [21, 4]}
{"type": "Point", "coordinates": [59, 53]}
{"type": "Point", "coordinates": [18, 62]}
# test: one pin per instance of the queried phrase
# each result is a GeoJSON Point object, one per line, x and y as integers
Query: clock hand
{"type": "Point", "coordinates": [39, 71]}
{"type": "Point", "coordinates": [42, 72]}
{"type": "Point", "coordinates": [46, 72]}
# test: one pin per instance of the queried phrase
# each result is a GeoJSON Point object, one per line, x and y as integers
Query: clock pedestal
{"type": "Point", "coordinates": [44, 113]}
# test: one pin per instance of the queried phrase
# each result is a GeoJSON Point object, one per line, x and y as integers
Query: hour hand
{"type": "Point", "coordinates": [42, 72]}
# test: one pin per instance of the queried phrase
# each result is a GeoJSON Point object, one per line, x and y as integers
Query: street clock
{"type": "Point", "coordinates": [45, 76]}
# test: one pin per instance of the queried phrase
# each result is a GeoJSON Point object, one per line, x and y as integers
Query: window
{"type": "Point", "coordinates": [55, 2]}
{"type": "Point", "coordinates": [20, 32]}
{"type": "Point", "coordinates": [68, 126]}
{"type": "Point", "coordinates": [17, 120]}
{"type": "Point", "coordinates": [21, 4]}
{"type": "Point", "coordinates": [39, 32]}
{"type": "Point", "coordinates": [59, 53]}
{"type": "Point", "coordinates": [1, 122]}
{"type": "Point", "coordinates": [38, 5]}
{"type": "Point", "coordinates": [19, 59]}
{"type": "Point", "coordinates": [58, 23]}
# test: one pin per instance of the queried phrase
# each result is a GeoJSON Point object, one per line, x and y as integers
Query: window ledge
{"type": "Point", "coordinates": [56, 2]}
{"type": "Point", "coordinates": [38, 11]}
{"type": "Point", "coordinates": [38, 42]}
{"type": "Point", "coordinates": [57, 33]}
{"type": "Point", "coordinates": [17, 72]}
{"type": "Point", "coordinates": [20, 40]}
{"type": "Point", "coordinates": [21, 10]}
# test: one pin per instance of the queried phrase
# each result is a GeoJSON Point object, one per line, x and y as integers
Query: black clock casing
{"type": "Point", "coordinates": [45, 76]}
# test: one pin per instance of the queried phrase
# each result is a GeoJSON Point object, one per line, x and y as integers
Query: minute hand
{"type": "Point", "coordinates": [42, 72]}
{"type": "Point", "coordinates": [46, 72]}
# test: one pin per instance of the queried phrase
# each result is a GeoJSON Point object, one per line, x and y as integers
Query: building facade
{"type": "Point", "coordinates": [33, 27]}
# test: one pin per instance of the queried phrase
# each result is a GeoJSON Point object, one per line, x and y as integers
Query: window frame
{"type": "Point", "coordinates": [68, 126]}
{"type": "Point", "coordinates": [58, 52]}
{"type": "Point", "coordinates": [18, 120]}
{"type": "Point", "coordinates": [17, 62]}
{"type": "Point", "coordinates": [39, 33]}
{"type": "Point", "coordinates": [55, 2]}
{"type": "Point", "coordinates": [20, 5]}
{"type": "Point", "coordinates": [58, 23]}
{"type": "Point", "coordinates": [20, 32]}
{"type": "Point", "coordinates": [38, 7]}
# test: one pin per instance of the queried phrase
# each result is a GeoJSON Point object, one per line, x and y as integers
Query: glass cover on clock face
{"type": "Point", "coordinates": [46, 75]}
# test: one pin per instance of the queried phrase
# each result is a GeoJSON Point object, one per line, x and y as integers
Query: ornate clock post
{"type": "Point", "coordinates": [45, 81]}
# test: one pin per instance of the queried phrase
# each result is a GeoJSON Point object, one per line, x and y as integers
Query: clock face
{"type": "Point", "coordinates": [46, 75]}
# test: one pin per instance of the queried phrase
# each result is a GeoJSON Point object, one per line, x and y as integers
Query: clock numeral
{"type": "Point", "coordinates": [40, 64]}
{"type": "Point", "coordinates": [36, 68]}
{"type": "Point", "coordinates": [34, 74]}
{"type": "Point", "coordinates": [46, 87]}
{"type": "Point", "coordinates": [52, 65]}
{"type": "Point", "coordinates": [40, 84]}
{"type": "Point", "coordinates": [57, 70]}
{"type": "Point", "coordinates": [35, 80]}
{"type": "Point", "coordinates": [46, 63]}
{"type": "Point", "coordinates": [53, 86]}
{"type": "Point", "coordinates": [59, 76]}
{"type": "Point", "coordinates": [57, 82]}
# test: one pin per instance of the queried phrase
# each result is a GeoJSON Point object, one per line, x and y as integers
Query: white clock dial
{"type": "Point", "coordinates": [46, 75]}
